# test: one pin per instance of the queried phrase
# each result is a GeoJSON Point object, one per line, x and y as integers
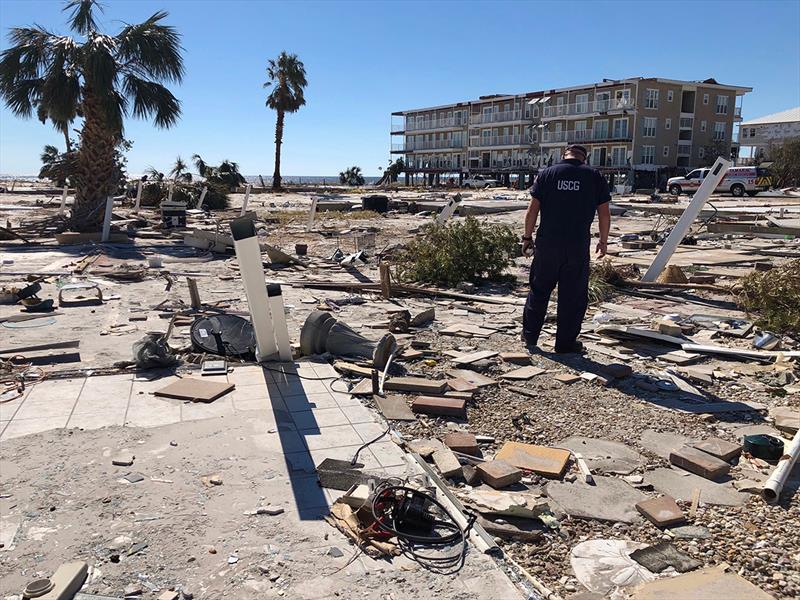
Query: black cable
{"type": "Point", "coordinates": [447, 564]}
{"type": "Point", "coordinates": [355, 456]}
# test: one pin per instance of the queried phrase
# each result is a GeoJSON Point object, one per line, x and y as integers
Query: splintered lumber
{"type": "Point", "coordinates": [415, 384]}
{"type": "Point", "coordinates": [444, 406]}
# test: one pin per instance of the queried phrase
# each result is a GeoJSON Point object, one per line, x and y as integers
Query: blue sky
{"type": "Point", "coordinates": [367, 59]}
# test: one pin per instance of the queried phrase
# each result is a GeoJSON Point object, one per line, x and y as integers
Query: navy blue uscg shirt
{"type": "Point", "coordinates": [569, 194]}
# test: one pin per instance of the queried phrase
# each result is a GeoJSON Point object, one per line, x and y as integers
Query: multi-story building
{"type": "Point", "coordinates": [642, 128]}
{"type": "Point", "coordinates": [758, 136]}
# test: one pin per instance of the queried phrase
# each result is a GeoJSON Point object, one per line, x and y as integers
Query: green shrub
{"type": "Point", "coordinates": [216, 197]}
{"type": "Point", "coordinates": [153, 194]}
{"type": "Point", "coordinates": [459, 251]}
{"type": "Point", "coordinates": [775, 295]}
{"type": "Point", "coordinates": [185, 195]}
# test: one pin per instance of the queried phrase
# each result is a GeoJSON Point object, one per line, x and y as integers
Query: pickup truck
{"type": "Point", "coordinates": [479, 182]}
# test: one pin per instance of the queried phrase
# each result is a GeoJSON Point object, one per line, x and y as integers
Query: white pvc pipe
{"type": "Point", "coordinates": [63, 208]}
{"type": "Point", "coordinates": [138, 196]}
{"type": "Point", "coordinates": [312, 213]}
{"type": "Point", "coordinates": [715, 175]}
{"type": "Point", "coordinates": [202, 197]}
{"type": "Point", "coordinates": [107, 219]}
{"type": "Point", "coordinates": [246, 198]}
{"type": "Point", "coordinates": [279, 324]}
{"type": "Point", "coordinates": [448, 210]}
{"type": "Point", "coordinates": [169, 192]}
{"type": "Point", "coordinates": [773, 486]}
{"type": "Point", "coordinates": [248, 254]}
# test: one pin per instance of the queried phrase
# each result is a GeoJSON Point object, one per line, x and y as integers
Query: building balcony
{"type": "Point", "coordinates": [499, 140]}
{"type": "Point", "coordinates": [497, 117]}
{"type": "Point", "coordinates": [686, 123]}
{"type": "Point", "coordinates": [584, 135]}
{"type": "Point", "coordinates": [737, 113]}
{"type": "Point", "coordinates": [429, 124]}
{"type": "Point", "coordinates": [684, 149]}
{"type": "Point", "coordinates": [586, 109]}
{"type": "Point", "coordinates": [435, 164]}
{"type": "Point", "coordinates": [427, 145]}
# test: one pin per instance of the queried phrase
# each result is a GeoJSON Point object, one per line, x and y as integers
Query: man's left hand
{"type": "Point", "coordinates": [601, 249]}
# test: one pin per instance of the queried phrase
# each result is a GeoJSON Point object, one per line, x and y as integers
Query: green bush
{"type": "Point", "coordinates": [775, 295]}
{"type": "Point", "coordinates": [153, 194]}
{"type": "Point", "coordinates": [459, 251]}
{"type": "Point", "coordinates": [216, 197]}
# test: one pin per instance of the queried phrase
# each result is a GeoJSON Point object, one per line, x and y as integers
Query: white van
{"type": "Point", "coordinates": [738, 181]}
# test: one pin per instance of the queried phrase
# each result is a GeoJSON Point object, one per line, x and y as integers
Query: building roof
{"type": "Point", "coordinates": [787, 116]}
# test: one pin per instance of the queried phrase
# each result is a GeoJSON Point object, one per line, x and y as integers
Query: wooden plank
{"type": "Point", "coordinates": [195, 390]}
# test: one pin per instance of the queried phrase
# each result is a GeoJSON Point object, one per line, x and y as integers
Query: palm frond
{"type": "Point", "coordinates": [81, 18]}
{"type": "Point", "coordinates": [152, 100]}
{"type": "Point", "coordinates": [151, 49]}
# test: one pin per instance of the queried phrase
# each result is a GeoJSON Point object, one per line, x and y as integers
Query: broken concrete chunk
{"type": "Point", "coordinates": [662, 556]}
{"type": "Point", "coordinates": [707, 583]}
{"type": "Point", "coordinates": [451, 407]}
{"type": "Point", "coordinates": [662, 443]}
{"type": "Point", "coordinates": [699, 462]}
{"type": "Point", "coordinates": [668, 327]}
{"type": "Point", "coordinates": [722, 449]}
{"type": "Point", "coordinates": [604, 456]}
{"type": "Point", "coordinates": [662, 511]}
{"type": "Point", "coordinates": [123, 460]}
{"type": "Point", "coordinates": [512, 528]}
{"type": "Point", "coordinates": [617, 370]}
{"type": "Point", "coordinates": [447, 463]}
{"type": "Point", "coordinates": [471, 475]}
{"type": "Point", "coordinates": [462, 442]}
{"type": "Point", "coordinates": [609, 499]}
{"type": "Point", "coordinates": [498, 473]}
{"type": "Point", "coordinates": [681, 485]}
{"type": "Point", "coordinates": [786, 419]}
{"type": "Point", "coordinates": [526, 505]}
{"type": "Point", "coordinates": [424, 447]}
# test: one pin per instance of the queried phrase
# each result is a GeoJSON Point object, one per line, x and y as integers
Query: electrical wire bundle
{"type": "Point", "coordinates": [419, 521]}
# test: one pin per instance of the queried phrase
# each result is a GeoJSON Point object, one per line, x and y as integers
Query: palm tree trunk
{"type": "Point", "coordinates": [95, 169]}
{"type": "Point", "coordinates": [66, 139]}
{"type": "Point", "coordinates": [276, 176]}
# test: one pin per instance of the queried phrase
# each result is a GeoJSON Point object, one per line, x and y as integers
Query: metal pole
{"type": "Point", "coordinates": [138, 202]}
{"type": "Point", "coordinates": [681, 228]}
{"type": "Point", "coordinates": [279, 325]}
{"type": "Point", "coordinates": [107, 219]}
{"type": "Point", "coordinates": [448, 210]}
{"type": "Point", "coordinates": [169, 193]}
{"type": "Point", "coordinates": [202, 197]}
{"type": "Point", "coordinates": [311, 214]}
{"type": "Point", "coordinates": [246, 198]}
{"type": "Point", "coordinates": [248, 253]}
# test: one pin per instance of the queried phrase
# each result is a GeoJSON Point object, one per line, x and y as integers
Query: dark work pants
{"type": "Point", "coordinates": [568, 267]}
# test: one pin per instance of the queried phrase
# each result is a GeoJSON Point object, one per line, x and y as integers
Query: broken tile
{"type": "Point", "coordinates": [721, 449]}
{"type": "Point", "coordinates": [472, 357]}
{"type": "Point", "coordinates": [680, 485]}
{"type": "Point", "coordinates": [604, 456]}
{"type": "Point", "coordinates": [609, 499]}
{"type": "Point", "coordinates": [700, 463]}
{"type": "Point", "coordinates": [512, 528]}
{"type": "Point", "coordinates": [424, 447]}
{"type": "Point", "coordinates": [394, 408]}
{"type": "Point", "coordinates": [662, 443]}
{"type": "Point", "coordinates": [415, 384]}
{"type": "Point", "coordinates": [663, 555]}
{"type": "Point", "coordinates": [712, 582]}
{"type": "Point", "coordinates": [472, 377]}
{"type": "Point", "coordinates": [523, 373]}
{"type": "Point", "coordinates": [451, 407]}
{"type": "Point", "coordinates": [498, 473]}
{"type": "Point", "coordinates": [462, 442]}
{"type": "Point", "coordinates": [517, 358]}
{"type": "Point", "coordinates": [662, 511]}
{"type": "Point", "coordinates": [195, 390]}
{"type": "Point", "coordinates": [566, 378]}
{"type": "Point", "coordinates": [786, 419]}
{"type": "Point", "coordinates": [550, 462]}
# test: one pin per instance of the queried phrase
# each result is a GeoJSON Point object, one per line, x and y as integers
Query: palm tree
{"type": "Point", "coordinates": [203, 167]}
{"type": "Point", "coordinates": [287, 76]}
{"type": "Point", "coordinates": [100, 77]}
{"type": "Point", "coordinates": [180, 171]}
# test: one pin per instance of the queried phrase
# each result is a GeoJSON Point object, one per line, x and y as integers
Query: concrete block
{"type": "Point", "coordinates": [471, 475]}
{"type": "Point", "coordinates": [670, 328]}
{"type": "Point", "coordinates": [498, 473]}
{"type": "Point", "coordinates": [722, 449]}
{"type": "Point", "coordinates": [699, 462]}
{"type": "Point", "coordinates": [447, 463]}
{"type": "Point", "coordinates": [451, 407]}
{"type": "Point", "coordinates": [662, 511]}
{"type": "Point", "coordinates": [462, 442]}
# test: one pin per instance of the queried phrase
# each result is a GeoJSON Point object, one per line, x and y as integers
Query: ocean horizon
{"type": "Point", "coordinates": [254, 179]}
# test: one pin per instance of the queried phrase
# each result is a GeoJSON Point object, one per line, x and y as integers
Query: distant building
{"type": "Point", "coordinates": [636, 130]}
{"type": "Point", "coordinates": [757, 136]}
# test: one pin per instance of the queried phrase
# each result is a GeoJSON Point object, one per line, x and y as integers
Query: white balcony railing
{"type": "Point", "coordinates": [500, 140]}
{"type": "Point", "coordinates": [496, 117]}
{"type": "Point", "coordinates": [418, 125]}
{"type": "Point", "coordinates": [586, 108]}
{"type": "Point", "coordinates": [584, 135]}
{"type": "Point", "coordinates": [428, 145]}
{"type": "Point", "coordinates": [686, 123]}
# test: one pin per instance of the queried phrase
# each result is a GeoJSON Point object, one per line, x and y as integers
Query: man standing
{"type": "Point", "coordinates": [567, 195]}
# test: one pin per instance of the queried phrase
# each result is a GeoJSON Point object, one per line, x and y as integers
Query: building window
{"type": "Point", "coordinates": [670, 95]}
{"type": "Point", "coordinates": [598, 156]}
{"type": "Point", "coordinates": [649, 127]}
{"type": "Point", "coordinates": [582, 103]}
{"type": "Point", "coordinates": [651, 99]}
{"type": "Point", "coordinates": [620, 129]}
{"type": "Point", "coordinates": [648, 155]}
{"type": "Point", "coordinates": [666, 151]}
{"type": "Point", "coordinates": [667, 123]}
{"type": "Point", "coordinates": [752, 132]}
{"type": "Point", "coordinates": [719, 131]}
{"type": "Point", "coordinates": [600, 129]}
{"type": "Point", "coordinates": [701, 152]}
{"type": "Point", "coordinates": [705, 98]}
{"type": "Point", "coordinates": [722, 105]}
{"type": "Point", "coordinates": [702, 126]}
{"type": "Point", "coordinates": [619, 156]}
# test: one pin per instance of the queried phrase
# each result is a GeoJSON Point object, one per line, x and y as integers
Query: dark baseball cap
{"type": "Point", "coordinates": [578, 148]}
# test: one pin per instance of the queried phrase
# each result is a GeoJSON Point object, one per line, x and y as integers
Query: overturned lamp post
{"type": "Point", "coordinates": [322, 332]}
